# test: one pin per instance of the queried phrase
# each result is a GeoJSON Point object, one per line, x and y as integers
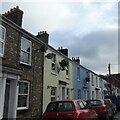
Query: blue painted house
{"type": "Point", "coordinates": [81, 80]}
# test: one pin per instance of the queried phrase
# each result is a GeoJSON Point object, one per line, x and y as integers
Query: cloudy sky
{"type": "Point", "coordinates": [88, 29]}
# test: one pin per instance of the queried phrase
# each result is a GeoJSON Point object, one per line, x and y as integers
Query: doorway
{"type": "Point", "coordinates": [7, 95]}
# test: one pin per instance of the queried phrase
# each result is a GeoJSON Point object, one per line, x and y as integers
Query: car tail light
{"type": "Point", "coordinates": [76, 116]}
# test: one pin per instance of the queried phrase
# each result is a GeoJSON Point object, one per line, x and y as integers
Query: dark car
{"type": "Point", "coordinates": [112, 105]}
{"type": "Point", "coordinates": [69, 110]}
{"type": "Point", "coordinates": [103, 110]}
{"type": "Point", "coordinates": [115, 99]}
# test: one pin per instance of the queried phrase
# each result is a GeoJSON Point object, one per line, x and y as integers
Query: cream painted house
{"type": "Point", "coordinates": [58, 83]}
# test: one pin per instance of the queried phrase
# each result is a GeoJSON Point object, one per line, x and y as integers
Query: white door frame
{"type": "Point", "coordinates": [62, 86]}
{"type": "Point", "coordinates": [13, 98]}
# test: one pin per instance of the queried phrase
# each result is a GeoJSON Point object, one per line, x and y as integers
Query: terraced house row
{"type": "Point", "coordinates": [34, 73]}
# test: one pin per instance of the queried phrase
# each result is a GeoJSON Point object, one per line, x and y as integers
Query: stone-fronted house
{"type": "Point", "coordinates": [21, 68]}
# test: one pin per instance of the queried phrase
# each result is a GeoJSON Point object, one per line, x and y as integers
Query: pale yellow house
{"type": "Point", "coordinates": [57, 84]}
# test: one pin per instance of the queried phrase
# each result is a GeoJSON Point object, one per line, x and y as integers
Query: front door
{"type": "Point", "coordinates": [63, 93]}
{"type": "Point", "coordinates": [6, 103]}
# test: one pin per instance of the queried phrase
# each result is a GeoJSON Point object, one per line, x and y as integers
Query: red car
{"type": "Point", "coordinates": [69, 110]}
{"type": "Point", "coordinates": [100, 106]}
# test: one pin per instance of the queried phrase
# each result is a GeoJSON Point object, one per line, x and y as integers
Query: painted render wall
{"type": "Point", "coordinates": [53, 79]}
{"type": "Point", "coordinates": [79, 84]}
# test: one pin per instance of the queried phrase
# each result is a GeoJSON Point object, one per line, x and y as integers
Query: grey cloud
{"type": "Point", "coordinates": [96, 49]}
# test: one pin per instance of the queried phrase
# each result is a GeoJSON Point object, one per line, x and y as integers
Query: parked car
{"type": "Point", "coordinates": [69, 110]}
{"type": "Point", "coordinates": [115, 99]}
{"type": "Point", "coordinates": [103, 110]}
{"type": "Point", "coordinates": [112, 105]}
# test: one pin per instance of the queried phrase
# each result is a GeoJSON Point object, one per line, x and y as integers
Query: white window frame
{"type": "Point", "coordinates": [29, 53]}
{"type": "Point", "coordinates": [54, 96]}
{"type": "Point", "coordinates": [3, 40]}
{"type": "Point", "coordinates": [23, 108]}
{"type": "Point", "coordinates": [53, 62]}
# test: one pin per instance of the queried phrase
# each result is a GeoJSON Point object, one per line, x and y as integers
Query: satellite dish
{"type": "Point", "coordinates": [49, 56]}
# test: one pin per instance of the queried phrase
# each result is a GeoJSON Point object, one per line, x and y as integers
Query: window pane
{"type": "Point", "coordinates": [52, 91]}
{"type": "Point", "coordinates": [67, 70]}
{"type": "Point", "coordinates": [22, 101]}
{"type": "Point", "coordinates": [25, 44]}
{"type": "Point", "coordinates": [53, 98]}
{"type": "Point", "coordinates": [1, 47]}
{"type": "Point", "coordinates": [25, 51]}
{"type": "Point", "coordinates": [53, 66]}
{"type": "Point", "coordinates": [53, 58]}
{"type": "Point", "coordinates": [23, 88]}
{"type": "Point", "coordinates": [25, 57]}
{"type": "Point", "coordinates": [2, 32]}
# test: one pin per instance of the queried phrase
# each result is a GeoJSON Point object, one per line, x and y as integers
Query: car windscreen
{"type": "Point", "coordinates": [94, 102]}
{"type": "Point", "coordinates": [60, 107]}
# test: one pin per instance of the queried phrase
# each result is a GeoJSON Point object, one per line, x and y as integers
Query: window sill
{"type": "Point", "coordinates": [67, 78]}
{"type": "Point", "coordinates": [25, 64]}
{"type": "Point", "coordinates": [54, 73]}
{"type": "Point", "coordinates": [22, 108]}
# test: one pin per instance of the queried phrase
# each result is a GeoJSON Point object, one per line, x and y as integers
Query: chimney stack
{"type": "Point", "coordinates": [76, 60]}
{"type": "Point", "coordinates": [63, 51]}
{"type": "Point", "coordinates": [15, 15]}
{"type": "Point", "coordinates": [43, 35]}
